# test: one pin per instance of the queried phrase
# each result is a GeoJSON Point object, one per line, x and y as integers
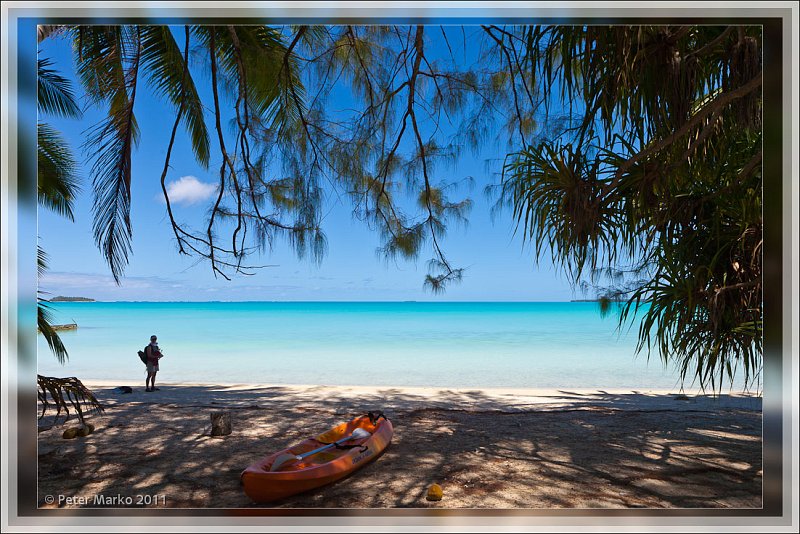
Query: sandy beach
{"type": "Point", "coordinates": [495, 449]}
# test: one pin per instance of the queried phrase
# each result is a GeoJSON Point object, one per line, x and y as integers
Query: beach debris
{"type": "Point", "coordinates": [220, 423]}
{"type": "Point", "coordinates": [435, 493]}
{"type": "Point", "coordinates": [123, 389]}
{"type": "Point", "coordinates": [682, 398]}
{"type": "Point", "coordinates": [78, 431]}
{"type": "Point", "coordinates": [59, 327]}
{"type": "Point", "coordinates": [63, 393]}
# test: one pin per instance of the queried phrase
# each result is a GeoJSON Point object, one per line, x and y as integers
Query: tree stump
{"type": "Point", "coordinates": [220, 423]}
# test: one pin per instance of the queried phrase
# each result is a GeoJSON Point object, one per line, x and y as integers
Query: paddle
{"type": "Point", "coordinates": [358, 433]}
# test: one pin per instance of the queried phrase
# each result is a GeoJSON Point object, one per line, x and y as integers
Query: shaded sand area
{"type": "Point", "coordinates": [486, 448]}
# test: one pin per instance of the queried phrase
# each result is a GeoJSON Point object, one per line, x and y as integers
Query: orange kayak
{"type": "Point", "coordinates": [341, 450]}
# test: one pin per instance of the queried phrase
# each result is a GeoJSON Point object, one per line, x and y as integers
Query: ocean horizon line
{"type": "Point", "coordinates": [576, 301]}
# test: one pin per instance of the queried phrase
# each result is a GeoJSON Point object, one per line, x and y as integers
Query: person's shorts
{"type": "Point", "coordinates": [152, 367]}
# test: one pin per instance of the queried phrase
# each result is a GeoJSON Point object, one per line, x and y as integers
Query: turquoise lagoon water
{"type": "Point", "coordinates": [454, 345]}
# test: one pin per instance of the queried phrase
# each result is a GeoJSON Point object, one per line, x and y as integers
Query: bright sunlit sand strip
{"type": "Point", "coordinates": [503, 399]}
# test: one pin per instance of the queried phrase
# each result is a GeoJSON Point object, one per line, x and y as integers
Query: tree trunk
{"type": "Point", "coordinates": [220, 423]}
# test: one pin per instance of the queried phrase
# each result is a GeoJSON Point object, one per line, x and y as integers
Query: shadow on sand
{"type": "Point", "coordinates": [561, 450]}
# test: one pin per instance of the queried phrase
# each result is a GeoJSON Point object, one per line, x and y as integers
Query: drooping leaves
{"type": "Point", "coordinates": [163, 66]}
{"type": "Point", "coordinates": [108, 64]}
{"type": "Point", "coordinates": [658, 182]}
{"type": "Point", "coordinates": [56, 172]}
{"type": "Point", "coordinates": [63, 393]}
{"type": "Point", "coordinates": [54, 92]}
{"type": "Point", "coordinates": [44, 317]}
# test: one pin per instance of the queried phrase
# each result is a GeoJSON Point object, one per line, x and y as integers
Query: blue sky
{"type": "Point", "coordinates": [498, 267]}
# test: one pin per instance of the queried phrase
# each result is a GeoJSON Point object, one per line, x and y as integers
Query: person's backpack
{"type": "Point", "coordinates": [143, 356]}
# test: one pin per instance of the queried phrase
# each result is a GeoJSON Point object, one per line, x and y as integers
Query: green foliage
{"type": "Point", "coordinates": [639, 168]}
{"type": "Point", "coordinates": [164, 67]}
{"type": "Point", "coordinates": [57, 185]}
{"type": "Point", "coordinates": [285, 141]}
{"type": "Point", "coordinates": [255, 56]}
{"type": "Point", "coordinates": [57, 182]}
{"type": "Point", "coordinates": [44, 317]}
{"type": "Point", "coordinates": [54, 92]}
{"type": "Point", "coordinates": [658, 182]}
{"type": "Point", "coordinates": [108, 60]}
{"type": "Point", "coordinates": [558, 206]}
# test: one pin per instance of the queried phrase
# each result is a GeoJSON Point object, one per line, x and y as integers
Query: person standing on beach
{"type": "Point", "coordinates": [153, 354]}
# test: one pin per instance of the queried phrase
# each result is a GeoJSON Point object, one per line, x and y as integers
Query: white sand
{"type": "Point", "coordinates": [409, 398]}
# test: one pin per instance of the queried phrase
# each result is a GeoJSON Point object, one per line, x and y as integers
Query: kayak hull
{"type": "Point", "coordinates": [263, 485]}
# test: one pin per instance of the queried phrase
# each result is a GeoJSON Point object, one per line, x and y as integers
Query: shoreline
{"type": "Point", "coordinates": [532, 391]}
{"type": "Point", "coordinates": [411, 398]}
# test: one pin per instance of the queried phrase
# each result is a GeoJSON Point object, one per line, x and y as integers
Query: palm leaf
{"type": "Point", "coordinates": [274, 92]}
{"type": "Point", "coordinates": [50, 335]}
{"type": "Point", "coordinates": [109, 60]}
{"type": "Point", "coordinates": [57, 181]}
{"type": "Point", "coordinates": [99, 56]}
{"type": "Point", "coordinates": [43, 31]}
{"type": "Point", "coordinates": [54, 92]}
{"type": "Point", "coordinates": [66, 392]}
{"type": "Point", "coordinates": [113, 142]}
{"type": "Point", "coordinates": [44, 317]}
{"type": "Point", "coordinates": [163, 65]}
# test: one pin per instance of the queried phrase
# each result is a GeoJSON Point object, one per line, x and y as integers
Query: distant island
{"type": "Point", "coordinates": [71, 299]}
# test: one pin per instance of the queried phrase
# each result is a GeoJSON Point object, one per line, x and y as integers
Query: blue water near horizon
{"type": "Point", "coordinates": [404, 344]}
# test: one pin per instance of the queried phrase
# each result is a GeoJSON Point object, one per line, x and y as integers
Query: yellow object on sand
{"type": "Point", "coordinates": [435, 493]}
{"type": "Point", "coordinates": [70, 433]}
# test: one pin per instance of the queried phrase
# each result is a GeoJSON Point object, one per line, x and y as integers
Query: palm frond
{"type": "Point", "coordinates": [41, 261]}
{"type": "Point", "coordinates": [66, 393]}
{"type": "Point", "coordinates": [44, 319]}
{"type": "Point", "coordinates": [56, 172]}
{"type": "Point", "coordinates": [99, 56]}
{"type": "Point", "coordinates": [43, 31]}
{"type": "Point", "coordinates": [274, 91]}
{"type": "Point", "coordinates": [54, 92]}
{"type": "Point", "coordinates": [163, 65]}
{"type": "Point", "coordinates": [112, 182]}
{"type": "Point", "coordinates": [108, 63]}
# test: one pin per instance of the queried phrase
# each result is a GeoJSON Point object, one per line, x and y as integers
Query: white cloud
{"type": "Point", "coordinates": [189, 190]}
